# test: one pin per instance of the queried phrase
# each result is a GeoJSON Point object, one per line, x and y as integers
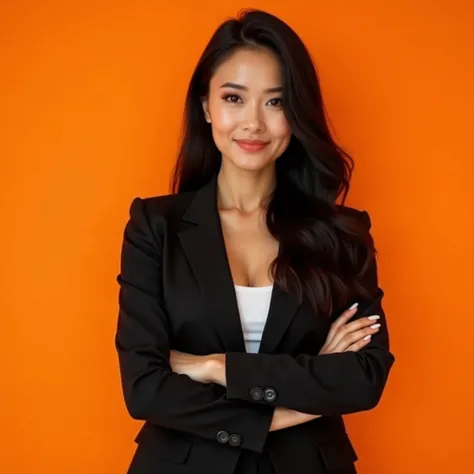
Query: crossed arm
{"type": "Point", "coordinates": [307, 386]}
{"type": "Point", "coordinates": [212, 369]}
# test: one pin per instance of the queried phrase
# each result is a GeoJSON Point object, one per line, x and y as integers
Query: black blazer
{"type": "Point", "coordinates": [176, 292]}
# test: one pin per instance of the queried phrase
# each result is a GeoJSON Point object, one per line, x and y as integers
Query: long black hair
{"type": "Point", "coordinates": [324, 251]}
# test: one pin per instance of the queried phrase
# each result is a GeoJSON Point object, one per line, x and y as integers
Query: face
{"type": "Point", "coordinates": [245, 103]}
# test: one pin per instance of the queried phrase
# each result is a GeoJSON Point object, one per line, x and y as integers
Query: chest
{"type": "Point", "coordinates": [250, 248]}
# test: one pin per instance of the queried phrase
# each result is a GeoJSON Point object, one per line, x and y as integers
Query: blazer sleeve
{"type": "Point", "coordinates": [152, 391]}
{"type": "Point", "coordinates": [327, 384]}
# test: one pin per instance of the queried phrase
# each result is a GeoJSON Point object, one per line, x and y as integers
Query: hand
{"type": "Point", "coordinates": [344, 337]}
{"type": "Point", "coordinates": [197, 367]}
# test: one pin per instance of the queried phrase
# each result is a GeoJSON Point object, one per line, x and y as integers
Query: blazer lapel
{"type": "Point", "coordinates": [205, 249]}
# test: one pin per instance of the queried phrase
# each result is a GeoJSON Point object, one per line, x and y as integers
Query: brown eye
{"type": "Point", "coordinates": [278, 104]}
{"type": "Point", "coordinates": [231, 96]}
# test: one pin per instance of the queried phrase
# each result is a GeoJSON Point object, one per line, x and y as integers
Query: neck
{"type": "Point", "coordinates": [245, 191]}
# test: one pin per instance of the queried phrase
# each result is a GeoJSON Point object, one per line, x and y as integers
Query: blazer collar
{"type": "Point", "coordinates": [205, 249]}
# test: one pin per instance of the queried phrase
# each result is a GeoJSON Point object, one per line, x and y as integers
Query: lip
{"type": "Point", "coordinates": [252, 145]}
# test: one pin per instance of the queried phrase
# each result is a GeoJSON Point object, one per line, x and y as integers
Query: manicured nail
{"type": "Point", "coordinates": [354, 306]}
{"type": "Point", "coordinates": [367, 337]}
{"type": "Point", "coordinates": [375, 316]}
{"type": "Point", "coordinates": [375, 326]}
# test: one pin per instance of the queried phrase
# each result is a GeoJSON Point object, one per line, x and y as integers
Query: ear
{"type": "Point", "coordinates": [205, 107]}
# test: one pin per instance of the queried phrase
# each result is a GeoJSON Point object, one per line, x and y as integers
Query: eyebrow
{"type": "Point", "coordinates": [243, 88]}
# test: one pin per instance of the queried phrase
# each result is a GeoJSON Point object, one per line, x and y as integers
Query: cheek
{"type": "Point", "coordinates": [280, 129]}
{"type": "Point", "coordinates": [223, 119]}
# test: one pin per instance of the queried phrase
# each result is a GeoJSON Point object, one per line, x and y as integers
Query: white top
{"type": "Point", "coordinates": [253, 303]}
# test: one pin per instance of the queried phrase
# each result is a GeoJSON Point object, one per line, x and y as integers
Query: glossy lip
{"type": "Point", "coordinates": [252, 145]}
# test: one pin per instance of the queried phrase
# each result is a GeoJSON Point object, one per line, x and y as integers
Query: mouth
{"type": "Point", "coordinates": [251, 145]}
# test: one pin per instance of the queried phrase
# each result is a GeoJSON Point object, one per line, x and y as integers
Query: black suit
{"type": "Point", "coordinates": [176, 292]}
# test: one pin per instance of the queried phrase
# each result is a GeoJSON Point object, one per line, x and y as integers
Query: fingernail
{"type": "Point", "coordinates": [354, 306]}
{"type": "Point", "coordinates": [367, 337]}
{"type": "Point", "coordinates": [375, 326]}
{"type": "Point", "coordinates": [375, 316]}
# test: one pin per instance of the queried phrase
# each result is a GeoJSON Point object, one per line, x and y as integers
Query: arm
{"type": "Point", "coordinates": [329, 384]}
{"type": "Point", "coordinates": [286, 417]}
{"type": "Point", "coordinates": [152, 392]}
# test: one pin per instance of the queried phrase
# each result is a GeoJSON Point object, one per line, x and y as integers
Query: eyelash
{"type": "Point", "coordinates": [226, 97]}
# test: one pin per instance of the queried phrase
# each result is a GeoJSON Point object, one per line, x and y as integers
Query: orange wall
{"type": "Point", "coordinates": [91, 101]}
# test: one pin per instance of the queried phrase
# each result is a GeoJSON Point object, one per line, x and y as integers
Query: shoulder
{"type": "Point", "coordinates": [165, 208]}
{"type": "Point", "coordinates": [151, 218]}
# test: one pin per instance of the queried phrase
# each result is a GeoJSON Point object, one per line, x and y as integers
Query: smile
{"type": "Point", "coordinates": [251, 146]}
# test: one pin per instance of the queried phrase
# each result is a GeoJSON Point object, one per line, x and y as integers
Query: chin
{"type": "Point", "coordinates": [255, 165]}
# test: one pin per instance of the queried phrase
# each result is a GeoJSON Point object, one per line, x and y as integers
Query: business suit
{"type": "Point", "coordinates": [176, 292]}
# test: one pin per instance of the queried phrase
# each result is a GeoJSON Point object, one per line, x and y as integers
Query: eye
{"type": "Point", "coordinates": [231, 96]}
{"type": "Point", "coordinates": [276, 104]}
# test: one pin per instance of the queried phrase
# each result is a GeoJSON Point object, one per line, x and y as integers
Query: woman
{"type": "Point", "coordinates": [248, 297]}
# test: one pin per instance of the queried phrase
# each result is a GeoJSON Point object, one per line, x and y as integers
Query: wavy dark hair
{"type": "Point", "coordinates": [324, 251]}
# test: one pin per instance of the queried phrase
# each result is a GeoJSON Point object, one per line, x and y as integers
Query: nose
{"type": "Point", "coordinates": [253, 121]}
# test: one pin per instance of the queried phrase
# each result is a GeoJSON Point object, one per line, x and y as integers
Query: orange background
{"type": "Point", "coordinates": [91, 102]}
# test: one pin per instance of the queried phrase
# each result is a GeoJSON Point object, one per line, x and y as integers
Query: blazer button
{"type": "Point", "coordinates": [222, 437]}
{"type": "Point", "coordinates": [256, 393]}
{"type": "Point", "coordinates": [270, 395]}
{"type": "Point", "coordinates": [235, 440]}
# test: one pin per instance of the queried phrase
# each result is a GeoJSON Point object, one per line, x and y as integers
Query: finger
{"type": "Point", "coordinates": [357, 346]}
{"type": "Point", "coordinates": [351, 338]}
{"type": "Point", "coordinates": [362, 322]}
{"type": "Point", "coordinates": [341, 320]}
{"type": "Point", "coordinates": [355, 326]}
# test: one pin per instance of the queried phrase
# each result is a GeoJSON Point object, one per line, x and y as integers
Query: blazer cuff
{"type": "Point", "coordinates": [240, 385]}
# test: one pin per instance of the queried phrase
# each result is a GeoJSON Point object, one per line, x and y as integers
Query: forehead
{"type": "Point", "coordinates": [254, 68]}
